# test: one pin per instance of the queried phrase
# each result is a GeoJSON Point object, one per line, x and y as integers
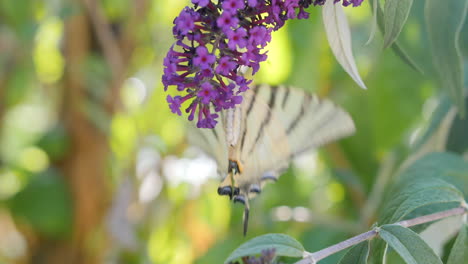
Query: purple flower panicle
{"type": "Point", "coordinates": [215, 39]}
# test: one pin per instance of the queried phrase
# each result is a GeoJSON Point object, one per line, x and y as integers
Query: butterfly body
{"type": "Point", "coordinates": [255, 141]}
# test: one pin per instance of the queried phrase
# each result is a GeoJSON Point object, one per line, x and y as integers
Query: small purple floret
{"type": "Point", "coordinates": [225, 66]}
{"type": "Point", "coordinates": [204, 59]}
{"type": "Point", "coordinates": [227, 21]}
{"type": "Point", "coordinates": [237, 38]}
{"type": "Point", "coordinates": [206, 93]}
{"type": "Point", "coordinates": [201, 3]}
{"type": "Point", "coordinates": [174, 104]}
{"type": "Point", "coordinates": [185, 22]}
{"type": "Point", "coordinates": [232, 6]}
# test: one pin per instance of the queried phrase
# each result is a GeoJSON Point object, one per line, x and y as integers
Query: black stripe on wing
{"type": "Point", "coordinates": [285, 97]}
{"type": "Point", "coordinates": [327, 118]}
{"type": "Point", "coordinates": [299, 115]}
{"type": "Point", "coordinates": [249, 109]}
{"type": "Point", "coordinates": [215, 134]}
{"type": "Point", "coordinates": [267, 119]}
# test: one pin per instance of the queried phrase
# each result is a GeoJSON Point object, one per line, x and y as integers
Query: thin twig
{"type": "Point", "coordinates": [312, 258]}
{"type": "Point", "coordinates": [432, 217]}
{"type": "Point", "coordinates": [321, 254]}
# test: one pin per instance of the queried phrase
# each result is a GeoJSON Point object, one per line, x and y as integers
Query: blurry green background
{"type": "Point", "coordinates": [95, 169]}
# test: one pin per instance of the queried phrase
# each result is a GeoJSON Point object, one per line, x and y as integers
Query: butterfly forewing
{"type": "Point", "coordinates": [309, 122]}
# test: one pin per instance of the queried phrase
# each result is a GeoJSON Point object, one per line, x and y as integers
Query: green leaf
{"type": "Point", "coordinates": [400, 52]}
{"type": "Point", "coordinates": [432, 181]}
{"type": "Point", "coordinates": [397, 48]}
{"type": "Point", "coordinates": [444, 20]}
{"type": "Point", "coordinates": [436, 130]}
{"type": "Point", "coordinates": [457, 140]}
{"type": "Point", "coordinates": [283, 244]}
{"type": "Point", "coordinates": [408, 245]}
{"type": "Point", "coordinates": [395, 16]}
{"type": "Point", "coordinates": [374, 5]}
{"type": "Point", "coordinates": [339, 37]}
{"type": "Point", "coordinates": [438, 192]}
{"type": "Point", "coordinates": [358, 254]}
{"type": "Point", "coordinates": [443, 165]}
{"type": "Point", "coordinates": [459, 252]}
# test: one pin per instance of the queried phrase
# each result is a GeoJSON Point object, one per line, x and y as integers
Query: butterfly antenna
{"type": "Point", "coordinates": [246, 216]}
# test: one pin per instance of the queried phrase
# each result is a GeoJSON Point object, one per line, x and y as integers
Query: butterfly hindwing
{"type": "Point", "coordinates": [213, 143]}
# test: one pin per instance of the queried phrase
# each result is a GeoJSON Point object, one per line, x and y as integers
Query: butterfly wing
{"type": "Point", "coordinates": [275, 124]}
{"type": "Point", "coordinates": [213, 143]}
{"type": "Point", "coordinates": [288, 122]}
{"type": "Point", "coordinates": [309, 121]}
{"type": "Point", "coordinates": [263, 145]}
{"type": "Point", "coordinates": [262, 135]}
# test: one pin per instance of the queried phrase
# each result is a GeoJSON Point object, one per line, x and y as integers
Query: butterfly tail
{"type": "Point", "coordinates": [246, 215]}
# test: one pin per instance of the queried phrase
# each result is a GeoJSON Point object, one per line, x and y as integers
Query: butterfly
{"type": "Point", "coordinates": [254, 142]}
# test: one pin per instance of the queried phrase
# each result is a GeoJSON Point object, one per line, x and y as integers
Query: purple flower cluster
{"type": "Point", "coordinates": [214, 41]}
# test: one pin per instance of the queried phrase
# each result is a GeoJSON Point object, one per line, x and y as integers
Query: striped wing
{"type": "Point", "coordinates": [263, 145]}
{"type": "Point", "coordinates": [309, 122]}
{"type": "Point", "coordinates": [213, 143]}
{"type": "Point", "coordinates": [302, 120]}
{"type": "Point", "coordinates": [256, 140]}
{"type": "Point", "coordinates": [275, 124]}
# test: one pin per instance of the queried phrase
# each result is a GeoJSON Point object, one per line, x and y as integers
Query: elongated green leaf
{"type": "Point", "coordinates": [400, 52]}
{"type": "Point", "coordinates": [374, 21]}
{"type": "Point", "coordinates": [414, 194]}
{"type": "Point", "coordinates": [444, 20]}
{"type": "Point", "coordinates": [408, 245]}
{"type": "Point", "coordinates": [395, 16]}
{"type": "Point", "coordinates": [435, 133]}
{"type": "Point", "coordinates": [284, 246]}
{"type": "Point", "coordinates": [442, 165]}
{"type": "Point", "coordinates": [433, 181]}
{"type": "Point", "coordinates": [339, 38]}
{"type": "Point", "coordinates": [396, 47]}
{"type": "Point", "coordinates": [443, 193]}
{"type": "Point", "coordinates": [457, 140]}
{"type": "Point", "coordinates": [459, 252]}
{"type": "Point", "coordinates": [357, 254]}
